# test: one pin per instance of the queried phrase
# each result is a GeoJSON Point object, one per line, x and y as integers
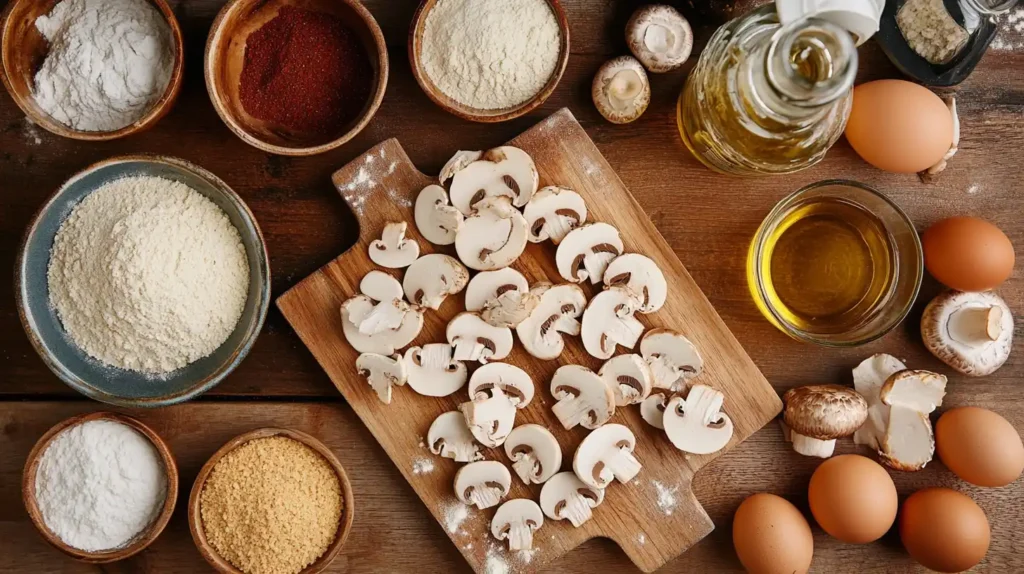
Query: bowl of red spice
{"type": "Point", "coordinates": [296, 77]}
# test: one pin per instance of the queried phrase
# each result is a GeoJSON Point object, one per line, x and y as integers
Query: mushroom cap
{"type": "Point", "coordinates": [437, 221]}
{"type": "Point", "coordinates": [433, 277]}
{"type": "Point", "coordinates": [563, 485]}
{"type": "Point", "coordinates": [587, 240]}
{"type": "Point", "coordinates": [675, 351]}
{"type": "Point", "coordinates": [639, 274]}
{"type": "Point", "coordinates": [620, 90]}
{"type": "Point", "coordinates": [481, 473]}
{"type": "Point", "coordinates": [546, 212]}
{"type": "Point", "coordinates": [660, 37]}
{"type": "Point", "coordinates": [500, 172]}
{"type": "Point", "coordinates": [596, 446]}
{"type": "Point", "coordinates": [972, 359]}
{"type": "Point", "coordinates": [539, 441]}
{"type": "Point", "coordinates": [380, 286]}
{"type": "Point", "coordinates": [385, 342]}
{"type": "Point", "coordinates": [432, 372]}
{"type": "Point", "coordinates": [449, 430]}
{"type": "Point", "coordinates": [824, 412]}
{"type": "Point", "coordinates": [492, 238]}
{"type": "Point", "coordinates": [468, 325]}
{"type": "Point", "coordinates": [487, 286]}
{"type": "Point", "coordinates": [516, 511]}
{"type": "Point", "coordinates": [608, 321]}
{"type": "Point", "coordinates": [394, 250]}
{"type": "Point", "coordinates": [627, 371]}
{"type": "Point", "coordinates": [505, 378]}
{"type": "Point", "coordinates": [558, 307]}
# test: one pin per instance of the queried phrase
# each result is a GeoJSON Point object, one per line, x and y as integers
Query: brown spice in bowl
{"type": "Point", "coordinates": [272, 505]}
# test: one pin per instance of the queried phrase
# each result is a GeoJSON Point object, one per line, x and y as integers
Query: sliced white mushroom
{"type": "Point", "coordinates": [382, 372]}
{"type": "Point", "coordinates": [583, 397]}
{"type": "Point", "coordinates": [608, 321]}
{"type": "Point", "coordinates": [433, 277]}
{"type": "Point", "coordinates": [437, 221]}
{"type": "Point", "coordinates": [485, 287]}
{"type": "Point", "coordinates": [510, 308]}
{"type": "Point", "coordinates": [697, 424]}
{"type": "Point", "coordinates": [501, 172]}
{"type": "Point", "coordinates": [970, 332]}
{"type": "Point", "coordinates": [909, 441]}
{"type": "Point", "coordinates": [492, 238]}
{"type": "Point", "coordinates": [629, 378]}
{"type": "Point", "coordinates": [868, 378]}
{"type": "Point", "coordinates": [457, 163]}
{"type": "Point", "coordinates": [566, 497]}
{"type": "Point", "coordinates": [393, 250]}
{"type": "Point", "coordinates": [450, 437]}
{"type": "Point", "coordinates": [620, 90]}
{"type": "Point", "coordinates": [389, 309]}
{"type": "Point", "coordinates": [586, 252]}
{"type": "Point", "coordinates": [476, 340]}
{"type": "Point", "coordinates": [483, 483]}
{"type": "Point", "coordinates": [510, 380]}
{"type": "Point", "coordinates": [556, 314]}
{"type": "Point", "coordinates": [640, 275]}
{"type": "Point", "coordinates": [553, 213]}
{"type": "Point", "coordinates": [516, 521]}
{"type": "Point", "coordinates": [606, 454]}
{"type": "Point", "coordinates": [432, 371]}
{"type": "Point", "coordinates": [534, 452]}
{"type": "Point", "coordinates": [660, 37]}
{"type": "Point", "coordinates": [652, 409]}
{"type": "Point", "coordinates": [356, 309]}
{"type": "Point", "coordinates": [673, 359]}
{"type": "Point", "coordinates": [490, 421]}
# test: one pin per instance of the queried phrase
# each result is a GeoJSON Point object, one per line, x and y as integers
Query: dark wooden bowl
{"type": "Point", "coordinates": [474, 114]}
{"type": "Point", "coordinates": [195, 519]}
{"type": "Point", "coordinates": [225, 56]}
{"type": "Point", "coordinates": [141, 540]}
{"type": "Point", "coordinates": [24, 49]}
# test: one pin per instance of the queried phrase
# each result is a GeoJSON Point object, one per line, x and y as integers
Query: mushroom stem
{"type": "Point", "coordinates": [577, 510]}
{"type": "Point", "coordinates": [468, 350]}
{"type": "Point", "coordinates": [526, 467]}
{"type": "Point", "coordinates": [596, 262]}
{"type": "Point", "coordinates": [808, 446]}
{"type": "Point", "coordinates": [623, 465]}
{"type": "Point", "coordinates": [976, 325]}
{"type": "Point", "coordinates": [480, 412]}
{"type": "Point", "coordinates": [625, 85]}
{"type": "Point", "coordinates": [464, 452]}
{"type": "Point", "coordinates": [485, 496]}
{"type": "Point", "coordinates": [664, 373]}
{"type": "Point", "coordinates": [520, 536]}
{"type": "Point", "coordinates": [572, 411]}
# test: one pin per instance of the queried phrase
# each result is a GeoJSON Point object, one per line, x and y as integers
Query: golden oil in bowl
{"type": "Point", "coordinates": [835, 263]}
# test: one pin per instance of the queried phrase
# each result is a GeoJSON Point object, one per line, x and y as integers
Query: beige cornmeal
{"type": "Point", "coordinates": [271, 506]}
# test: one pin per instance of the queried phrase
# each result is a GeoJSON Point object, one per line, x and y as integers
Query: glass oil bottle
{"type": "Point", "coordinates": [766, 98]}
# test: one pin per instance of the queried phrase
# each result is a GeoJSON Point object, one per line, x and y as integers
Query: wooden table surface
{"type": "Point", "coordinates": [708, 219]}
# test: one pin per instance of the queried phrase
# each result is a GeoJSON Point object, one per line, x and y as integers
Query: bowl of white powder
{"type": "Point", "coordinates": [143, 281]}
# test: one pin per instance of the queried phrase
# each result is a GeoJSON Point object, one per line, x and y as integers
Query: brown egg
{"type": "Point", "coordinates": [979, 446]}
{"type": "Point", "coordinates": [967, 253]}
{"type": "Point", "coordinates": [944, 530]}
{"type": "Point", "coordinates": [899, 126]}
{"type": "Point", "coordinates": [771, 536]}
{"type": "Point", "coordinates": [853, 498]}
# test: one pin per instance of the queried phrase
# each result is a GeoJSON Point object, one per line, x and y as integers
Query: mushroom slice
{"type": "Point", "coordinates": [382, 372]}
{"type": "Point", "coordinates": [672, 357]}
{"type": "Point", "coordinates": [493, 238]}
{"type": "Point", "coordinates": [432, 371]}
{"type": "Point", "coordinates": [586, 252]}
{"type": "Point", "coordinates": [909, 442]}
{"type": "Point", "coordinates": [697, 424]}
{"type": "Point", "coordinates": [389, 309]}
{"type": "Point", "coordinates": [501, 172]}
{"type": "Point", "coordinates": [483, 483]}
{"type": "Point", "coordinates": [606, 454]}
{"type": "Point", "coordinates": [608, 321]}
{"type": "Point", "coordinates": [660, 37]}
{"type": "Point", "coordinates": [457, 163]}
{"type": "Point", "coordinates": [393, 250]}
{"type": "Point", "coordinates": [433, 277]}
{"type": "Point", "coordinates": [553, 213]}
{"type": "Point", "coordinates": [620, 90]}
{"type": "Point", "coordinates": [516, 521]}
{"type": "Point", "coordinates": [534, 452]}
{"type": "Point", "coordinates": [450, 437]}
{"type": "Point", "coordinates": [819, 414]}
{"type": "Point", "coordinates": [629, 378]}
{"type": "Point", "coordinates": [640, 275]}
{"type": "Point", "coordinates": [475, 340]}
{"type": "Point", "coordinates": [510, 308]}
{"type": "Point", "coordinates": [355, 310]}
{"type": "Point", "coordinates": [507, 379]}
{"type": "Point", "coordinates": [970, 332]}
{"type": "Point", "coordinates": [437, 221]}
{"type": "Point", "coordinates": [868, 378]}
{"type": "Point", "coordinates": [583, 397]}
{"type": "Point", "coordinates": [566, 497]}
{"type": "Point", "coordinates": [485, 287]}
{"type": "Point", "coordinates": [556, 313]}
{"type": "Point", "coordinates": [496, 391]}
{"type": "Point", "coordinates": [652, 409]}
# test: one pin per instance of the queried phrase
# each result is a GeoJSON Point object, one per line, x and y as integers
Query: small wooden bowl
{"type": "Point", "coordinates": [142, 539]}
{"type": "Point", "coordinates": [195, 519]}
{"type": "Point", "coordinates": [24, 49]}
{"type": "Point", "coordinates": [225, 57]}
{"type": "Point", "coordinates": [470, 113]}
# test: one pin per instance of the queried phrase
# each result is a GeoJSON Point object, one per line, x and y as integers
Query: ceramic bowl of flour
{"type": "Point", "coordinates": [120, 386]}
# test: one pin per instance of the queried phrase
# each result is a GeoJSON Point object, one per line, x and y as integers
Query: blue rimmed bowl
{"type": "Point", "coordinates": [103, 382]}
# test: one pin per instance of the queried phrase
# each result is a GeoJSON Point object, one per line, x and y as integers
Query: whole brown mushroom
{"type": "Point", "coordinates": [660, 37]}
{"type": "Point", "coordinates": [819, 414]}
{"type": "Point", "coordinates": [620, 90]}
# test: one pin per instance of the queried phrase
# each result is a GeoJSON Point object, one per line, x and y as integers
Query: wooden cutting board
{"type": "Point", "coordinates": [655, 517]}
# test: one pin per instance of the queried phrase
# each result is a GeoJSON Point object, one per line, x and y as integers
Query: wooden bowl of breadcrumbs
{"type": "Point", "coordinates": [279, 486]}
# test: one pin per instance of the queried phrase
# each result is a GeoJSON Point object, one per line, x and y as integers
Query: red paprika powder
{"type": "Point", "coordinates": [305, 71]}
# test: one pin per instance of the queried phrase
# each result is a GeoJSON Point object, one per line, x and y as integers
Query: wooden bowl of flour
{"type": "Point", "coordinates": [24, 49]}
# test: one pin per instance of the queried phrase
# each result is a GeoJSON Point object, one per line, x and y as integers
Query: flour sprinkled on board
{"type": "Point", "coordinates": [422, 465]}
{"type": "Point", "coordinates": [973, 189]}
{"type": "Point", "coordinates": [31, 132]}
{"type": "Point", "coordinates": [641, 538]}
{"type": "Point", "coordinates": [455, 513]}
{"type": "Point", "coordinates": [399, 199]}
{"type": "Point", "coordinates": [666, 497]}
{"type": "Point", "coordinates": [495, 564]}
{"type": "Point", "coordinates": [391, 167]}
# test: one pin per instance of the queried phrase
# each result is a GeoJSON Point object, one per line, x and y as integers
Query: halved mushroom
{"type": "Point", "coordinates": [483, 483]}
{"type": "Point", "coordinates": [459, 161]}
{"type": "Point", "coordinates": [382, 372]}
{"type": "Point", "coordinates": [492, 238]}
{"type": "Point", "coordinates": [620, 90]}
{"type": "Point", "coordinates": [697, 424]}
{"type": "Point", "coordinates": [586, 252]}
{"type": "Point", "coordinates": [566, 497]}
{"type": "Point", "coordinates": [652, 409]}
{"type": "Point", "coordinates": [660, 37]}
{"type": "Point", "coordinates": [437, 221]}
{"type": "Point", "coordinates": [819, 414]}
{"type": "Point", "coordinates": [501, 172]}
{"type": "Point", "coordinates": [355, 310]}
{"type": "Point", "coordinates": [433, 277]}
{"type": "Point", "coordinates": [516, 521]}
{"type": "Point", "coordinates": [640, 275]}
{"type": "Point", "coordinates": [868, 378]}
{"type": "Point", "coordinates": [970, 332]}
{"type": "Point", "coordinates": [553, 213]}
{"type": "Point", "coordinates": [909, 441]}
{"type": "Point", "coordinates": [606, 454]}
{"type": "Point", "coordinates": [432, 371]}
{"type": "Point", "coordinates": [608, 322]}
{"type": "Point", "coordinates": [555, 314]}
{"type": "Point", "coordinates": [583, 397]}
{"type": "Point", "coordinates": [389, 309]}
{"type": "Point", "coordinates": [476, 340]}
{"type": "Point", "coordinates": [393, 250]}
{"type": "Point", "coordinates": [629, 378]}
{"type": "Point", "coordinates": [450, 437]}
{"type": "Point", "coordinates": [535, 453]}
{"type": "Point", "coordinates": [673, 359]}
